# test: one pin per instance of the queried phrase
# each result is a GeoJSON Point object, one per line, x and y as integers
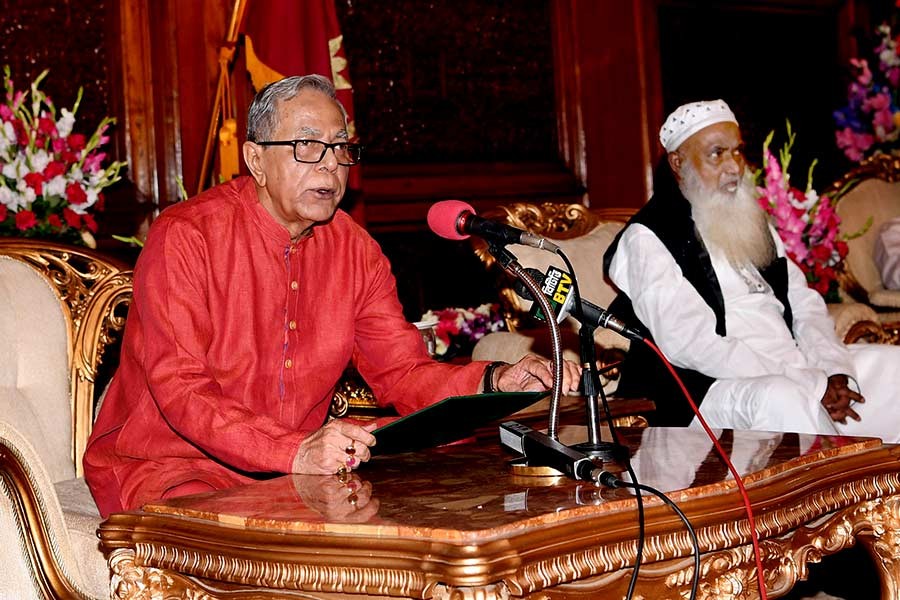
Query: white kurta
{"type": "Point", "coordinates": [766, 379]}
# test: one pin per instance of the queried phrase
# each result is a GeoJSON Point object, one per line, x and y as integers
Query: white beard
{"type": "Point", "coordinates": [731, 223]}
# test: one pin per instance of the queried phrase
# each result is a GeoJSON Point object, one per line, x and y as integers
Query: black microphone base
{"type": "Point", "coordinates": [605, 451]}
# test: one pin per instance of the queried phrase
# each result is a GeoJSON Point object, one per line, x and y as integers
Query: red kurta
{"type": "Point", "coordinates": [234, 343]}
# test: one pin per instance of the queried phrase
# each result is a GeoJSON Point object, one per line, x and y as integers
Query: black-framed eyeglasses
{"type": "Point", "coordinates": [313, 151]}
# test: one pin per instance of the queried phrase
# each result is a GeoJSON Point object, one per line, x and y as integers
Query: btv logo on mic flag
{"type": "Point", "coordinates": [557, 287]}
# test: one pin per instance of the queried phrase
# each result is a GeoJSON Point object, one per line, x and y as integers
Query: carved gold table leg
{"type": "Point", "coordinates": [129, 581]}
{"type": "Point", "coordinates": [883, 543]}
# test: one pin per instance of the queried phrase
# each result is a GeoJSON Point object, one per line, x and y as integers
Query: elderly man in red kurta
{"type": "Point", "coordinates": [249, 301]}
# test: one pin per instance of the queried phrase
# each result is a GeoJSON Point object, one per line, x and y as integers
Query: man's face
{"type": "Point", "coordinates": [299, 195]}
{"type": "Point", "coordinates": [715, 153]}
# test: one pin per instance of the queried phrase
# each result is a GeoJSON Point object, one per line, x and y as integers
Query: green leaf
{"type": "Point", "coordinates": [129, 240]}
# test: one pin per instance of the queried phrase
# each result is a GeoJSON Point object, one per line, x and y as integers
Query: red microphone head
{"type": "Point", "coordinates": [444, 215]}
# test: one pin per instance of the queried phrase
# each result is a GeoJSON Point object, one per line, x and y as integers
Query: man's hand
{"type": "Point", "coordinates": [534, 374]}
{"type": "Point", "coordinates": [346, 499]}
{"type": "Point", "coordinates": [338, 444]}
{"type": "Point", "coordinates": [837, 399]}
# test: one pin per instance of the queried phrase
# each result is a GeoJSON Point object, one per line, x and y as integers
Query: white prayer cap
{"type": "Point", "coordinates": [688, 119]}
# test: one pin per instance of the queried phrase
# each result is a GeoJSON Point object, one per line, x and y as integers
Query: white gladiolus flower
{"type": "Point", "coordinates": [55, 187]}
{"type": "Point", "coordinates": [12, 169]}
{"type": "Point", "coordinates": [38, 160]}
{"type": "Point", "coordinates": [8, 132]}
{"type": "Point", "coordinates": [7, 197]}
{"type": "Point", "coordinates": [92, 196]}
{"type": "Point", "coordinates": [65, 123]}
{"type": "Point", "coordinates": [7, 137]}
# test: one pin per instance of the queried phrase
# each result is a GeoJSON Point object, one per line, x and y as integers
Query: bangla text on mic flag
{"type": "Point", "coordinates": [299, 37]}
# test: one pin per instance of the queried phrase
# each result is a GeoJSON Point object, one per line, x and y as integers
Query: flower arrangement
{"type": "Point", "coordinates": [458, 329]}
{"type": "Point", "coordinates": [50, 177]}
{"type": "Point", "coordinates": [806, 222]}
{"type": "Point", "coordinates": [870, 122]}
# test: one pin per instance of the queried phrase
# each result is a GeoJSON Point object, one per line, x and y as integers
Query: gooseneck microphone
{"type": "Point", "coordinates": [456, 220]}
{"type": "Point", "coordinates": [557, 286]}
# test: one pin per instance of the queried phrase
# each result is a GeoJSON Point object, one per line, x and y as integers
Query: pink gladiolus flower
{"type": "Point", "coordinates": [877, 102]}
{"type": "Point", "coordinates": [883, 120]}
{"type": "Point", "coordinates": [92, 162]}
{"type": "Point", "coordinates": [864, 75]}
{"type": "Point", "coordinates": [893, 76]}
{"type": "Point", "coordinates": [853, 144]}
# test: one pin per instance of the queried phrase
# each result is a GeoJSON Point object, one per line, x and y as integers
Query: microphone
{"type": "Point", "coordinates": [557, 286]}
{"type": "Point", "coordinates": [541, 449]}
{"type": "Point", "coordinates": [456, 220]}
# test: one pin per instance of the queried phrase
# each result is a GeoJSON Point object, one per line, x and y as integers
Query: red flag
{"type": "Point", "coordinates": [300, 37]}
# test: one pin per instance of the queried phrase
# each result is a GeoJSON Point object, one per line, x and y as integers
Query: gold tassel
{"type": "Point", "coordinates": [228, 150]}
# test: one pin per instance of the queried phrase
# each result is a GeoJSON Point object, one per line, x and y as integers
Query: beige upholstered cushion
{"type": "Point", "coordinates": [586, 255]}
{"type": "Point", "coordinates": [511, 347]}
{"type": "Point", "coordinates": [34, 366]}
{"type": "Point", "coordinates": [14, 574]}
{"type": "Point", "coordinates": [880, 201]}
{"type": "Point", "coordinates": [82, 519]}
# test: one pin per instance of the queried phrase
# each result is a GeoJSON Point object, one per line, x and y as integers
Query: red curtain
{"type": "Point", "coordinates": [300, 37]}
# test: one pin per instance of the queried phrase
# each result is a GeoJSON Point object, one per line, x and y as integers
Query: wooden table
{"type": "Point", "coordinates": [455, 523]}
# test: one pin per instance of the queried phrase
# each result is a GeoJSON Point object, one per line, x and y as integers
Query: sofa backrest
{"type": "Point", "coordinates": [34, 365]}
{"type": "Point", "coordinates": [872, 192]}
{"type": "Point", "coordinates": [61, 307]}
{"type": "Point", "coordinates": [875, 199]}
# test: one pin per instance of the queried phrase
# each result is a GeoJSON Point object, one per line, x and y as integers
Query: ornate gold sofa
{"type": "Point", "coordinates": [61, 308]}
{"type": "Point", "coordinates": [870, 193]}
{"type": "Point", "coordinates": [584, 235]}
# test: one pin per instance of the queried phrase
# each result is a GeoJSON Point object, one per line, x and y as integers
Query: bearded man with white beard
{"type": "Point", "coordinates": [702, 271]}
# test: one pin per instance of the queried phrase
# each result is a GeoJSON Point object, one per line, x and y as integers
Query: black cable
{"type": "Point", "coordinates": [639, 555]}
{"type": "Point", "coordinates": [592, 366]}
{"type": "Point", "coordinates": [690, 529]}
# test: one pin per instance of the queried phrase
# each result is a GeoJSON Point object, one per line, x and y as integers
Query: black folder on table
{"type": "Point", "coordinates": [449, 420]}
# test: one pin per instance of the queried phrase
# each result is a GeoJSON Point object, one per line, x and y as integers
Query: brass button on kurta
{"type": "Point", "coordinates": [295, 286]}
{"type": "Point", "coordinates": [288, 364]}
{"type": "Point", "coordinates": [292, 325]}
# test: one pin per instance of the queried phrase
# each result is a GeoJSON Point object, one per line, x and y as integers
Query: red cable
{"type": "Point", "coordinates": [760, 578]}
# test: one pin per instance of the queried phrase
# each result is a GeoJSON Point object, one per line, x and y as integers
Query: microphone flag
{"type": "Point", "coordinates": [557, 286]}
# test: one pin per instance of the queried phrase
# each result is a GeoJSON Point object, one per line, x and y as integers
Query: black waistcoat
{"type": "Point", "coordinates": [668, 215]}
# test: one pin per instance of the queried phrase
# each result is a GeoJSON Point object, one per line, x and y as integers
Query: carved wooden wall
{"type": "Point", "coordinates": [540, 99]}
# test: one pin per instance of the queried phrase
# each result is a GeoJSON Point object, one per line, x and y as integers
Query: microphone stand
{"type": "Point", "coordinates": [508, 261]}
{"type": "Point", "coordinates": [590, 380]}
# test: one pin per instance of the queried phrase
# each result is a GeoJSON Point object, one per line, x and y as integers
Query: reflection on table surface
{"type": "Point", "coordinates": [469, 487]}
